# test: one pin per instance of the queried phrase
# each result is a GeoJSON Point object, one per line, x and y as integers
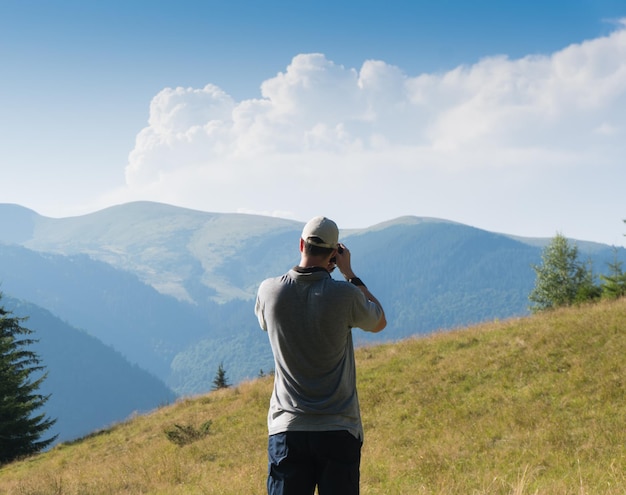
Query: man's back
{"type": "Point", "coordinates": [309, 319]}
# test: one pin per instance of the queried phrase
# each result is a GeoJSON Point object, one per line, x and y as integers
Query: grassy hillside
{"type": "Point", "coordinates": [529, 406]}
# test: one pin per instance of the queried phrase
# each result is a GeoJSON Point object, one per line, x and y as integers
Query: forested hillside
{"type": "Point", "coordinates": [90, 384]}
{"type": "Point", "coordinates": [172, 290]}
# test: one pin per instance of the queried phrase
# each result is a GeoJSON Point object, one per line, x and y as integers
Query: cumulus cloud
{"type": "Point", "coordinates": [372, 143]}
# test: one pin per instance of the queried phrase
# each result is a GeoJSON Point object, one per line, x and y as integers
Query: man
{"type": "Point", "coordinates": [314, 421]}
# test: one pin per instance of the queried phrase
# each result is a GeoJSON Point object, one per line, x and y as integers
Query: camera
{"type": "Point", "coordinates": [340, 251]}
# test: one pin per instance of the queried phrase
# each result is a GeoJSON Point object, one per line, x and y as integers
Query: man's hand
{"type": "Point", "coordinates": [343, 261]}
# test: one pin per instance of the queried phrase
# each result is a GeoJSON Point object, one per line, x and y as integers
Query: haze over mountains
{"type": "Point", "coordinates": [167, 293]}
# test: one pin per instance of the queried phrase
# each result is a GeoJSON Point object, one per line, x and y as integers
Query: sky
{"type": "Point", "coordinates": [504, 115]}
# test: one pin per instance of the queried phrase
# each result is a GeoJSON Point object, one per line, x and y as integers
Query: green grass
{"type": "Point", "coordinates": [526, 406]}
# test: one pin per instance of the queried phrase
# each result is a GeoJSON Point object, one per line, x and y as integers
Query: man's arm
{"type": "Point", "coordinates": [382, 323]}
{"type": "Point", "coordinates": [259, 311]}
{"type": "Point", "coordinates": [345, 267]}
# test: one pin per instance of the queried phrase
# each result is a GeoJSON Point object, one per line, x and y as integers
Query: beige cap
{"type": "Point", "coordinates": [321, 232]}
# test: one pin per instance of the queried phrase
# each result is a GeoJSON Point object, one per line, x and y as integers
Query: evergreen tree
{"type": "Point", "coordinates": [220, 380]}
{"type": "Point", "coordinates": [561, 278]}
{"type": "Point", "coordinates": [21, 428]}
{"type": "Point", "coordinates": [614, 284]}
{"type": "Point", "coordinates": [587, 289]}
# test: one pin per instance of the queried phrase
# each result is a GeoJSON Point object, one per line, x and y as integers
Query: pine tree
{"type": "Point", "coordinates": [21, 429]}
{"type": "Point", "coordinates": [220, 380]}
{"type": "Point", "coordinates": [614, 284]}
{"type": "Point", "coordinates": [562, 279]}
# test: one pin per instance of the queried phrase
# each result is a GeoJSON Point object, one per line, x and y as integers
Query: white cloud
{"type": "Point", "coordinates": [375, 143]}
{"type": "Point", "coordinates": [186, 127]}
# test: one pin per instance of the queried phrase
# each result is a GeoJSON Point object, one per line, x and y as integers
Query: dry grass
{"type": "Point", "coordinates": [534, 405]}
{"type": "Point", "coordinates": [521, 407]}
{"type": "Point", "coordinates": [137, 457]}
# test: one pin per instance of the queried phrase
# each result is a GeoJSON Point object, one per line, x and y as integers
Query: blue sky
{"type": "Point", "coordinates": [504, 115]}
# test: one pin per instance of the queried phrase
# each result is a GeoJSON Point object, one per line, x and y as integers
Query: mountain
{"type": "Point", "coordinates": [173, 289]}
{"type": "Point", "coordinates": [148, 328]}
{"type": "Point", "coordinates": [90, 385]}
{"type": "Point", "coordinates": [190, 255]}
{"type": "Point", "coordinates": [531, 405]}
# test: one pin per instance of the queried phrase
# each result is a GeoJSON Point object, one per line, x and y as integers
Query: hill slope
{"type": "Point", "coordinates": [114, 306]}
{"type": "Point", "coordinates": [530, 405]}
{"type": "Point", "coordinates": [90, 384]}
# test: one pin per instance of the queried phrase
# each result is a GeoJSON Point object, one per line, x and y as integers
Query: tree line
{"type": "Point", "coordinates": [563, 279]}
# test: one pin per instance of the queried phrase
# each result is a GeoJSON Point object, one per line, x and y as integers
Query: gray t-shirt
{"type": "Point", "coordinates": [309, 319]}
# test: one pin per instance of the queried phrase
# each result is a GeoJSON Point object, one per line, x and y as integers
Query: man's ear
{"type": "Point", "coordinates": [332, 259]}
{"type": "Point", "coordinates": [301, 245]}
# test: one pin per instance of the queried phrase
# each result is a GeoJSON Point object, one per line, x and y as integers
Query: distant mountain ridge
{"type": "Point", "coordinates": [172, 289]}
{"type": "Point", "coordinates": [167, 247]}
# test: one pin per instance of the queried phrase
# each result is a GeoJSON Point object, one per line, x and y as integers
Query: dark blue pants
{"type": "Point", "coordinates": [298, 461]}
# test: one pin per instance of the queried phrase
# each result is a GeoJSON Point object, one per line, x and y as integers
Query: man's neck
{"type": "Point", "coordinates": [311, 269]}
{"type": "Point", "coordinates": [310, 262]}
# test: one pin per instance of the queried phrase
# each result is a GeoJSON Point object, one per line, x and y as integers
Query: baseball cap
{"type": "Point", "coordinates": [322, 232]}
